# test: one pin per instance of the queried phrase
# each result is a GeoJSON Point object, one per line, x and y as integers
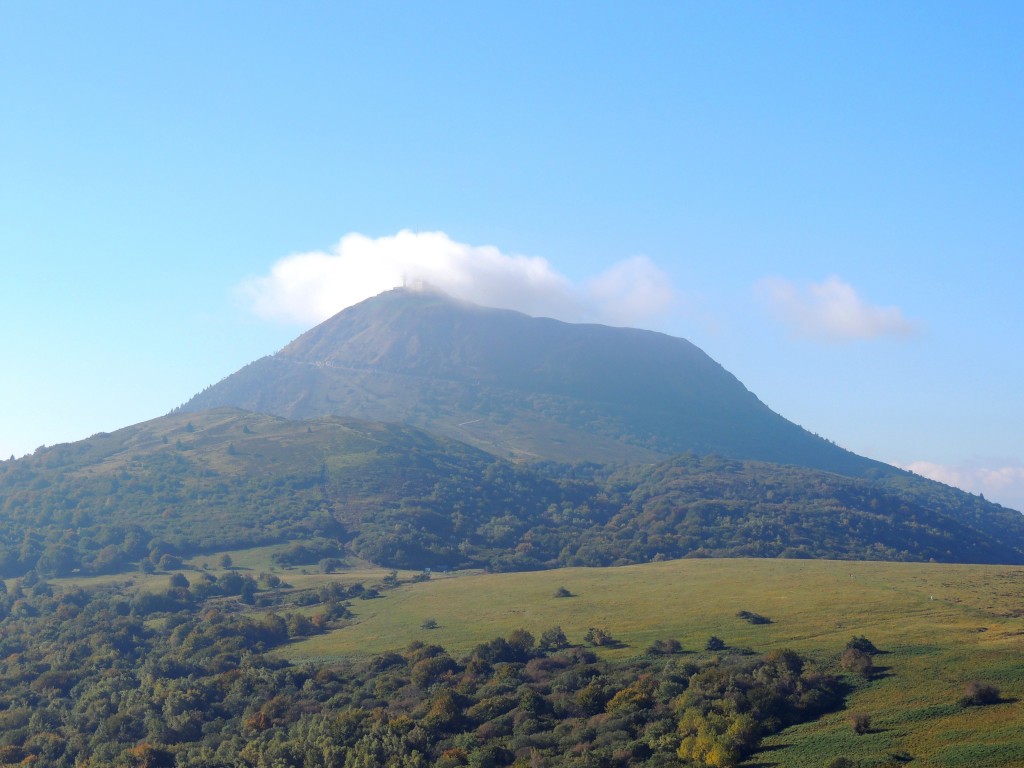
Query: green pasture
{"type": "Point", "coordinates": [940, 626]}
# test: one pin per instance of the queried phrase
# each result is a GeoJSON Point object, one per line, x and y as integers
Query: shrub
{"type": "Point", "coordinates": [598, 636]}
{"type": "Point", "coordinates": [861, 643]}
{"type": "Point", "coordinates": [664, 647]}
{"type": "Point", "coordinates": [714, 644]}
{"type": "Point", "coordinates": [329, 564]}
{"type": "Point", "coordinates": [858, 662]}
{"type": "Point", "coordinates": [753, 618]}
{"type": "Point", "coordinates": [429, 624]}
{"type": "Point", "coordinates": [562, 592]}
{"type": "Point", "coordinates": [170, 562]}
{"type": "Point", "coordinates": [979, 694]}
{"type": "Point", "coordinates": [861, 723]}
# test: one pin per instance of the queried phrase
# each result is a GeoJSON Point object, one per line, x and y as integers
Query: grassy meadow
{"type": "Point", "coordinates": [939, 626]}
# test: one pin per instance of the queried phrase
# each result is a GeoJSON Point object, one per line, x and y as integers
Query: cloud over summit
{"type": "Point", "coordinates": [308, 288]}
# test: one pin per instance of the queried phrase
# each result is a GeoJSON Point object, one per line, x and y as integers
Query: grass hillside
{"type": "Point", "coordinates": [939, 627]}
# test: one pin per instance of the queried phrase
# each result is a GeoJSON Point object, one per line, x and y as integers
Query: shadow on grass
{"type": "Point", "coordinates": [964, 704]}
{"type": "Point", "coordinates": [881, 673]}
{"type": "Point", "coordinates": [874, 731]}
{"type": "Point", "coordinates": [762, 753]}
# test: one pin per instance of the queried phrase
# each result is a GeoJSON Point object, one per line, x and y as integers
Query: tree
{"type": "Point", "coordinates": [553, 639]}
{"type": "Point", "coordinates": [226, 561]}
{"type": "Point", "coordinates": [299, 625]}
{"type": "Point", "coordinates": [57, 560]}
{"type": "Point", "coordinates": [522, 643]}
{"type": "Point", "coordinates": [247, 593]}
{"type": "Point", "coordinates": [178, 580]}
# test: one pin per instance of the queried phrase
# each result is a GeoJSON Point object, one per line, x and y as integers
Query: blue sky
{"type": "Point", "coordinates": [825, 197]}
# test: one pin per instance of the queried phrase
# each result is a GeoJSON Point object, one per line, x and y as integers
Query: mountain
{"type": "Point", "coordinates": [396, 431]}
{"type": "Point", "coordinates": [525, 387]}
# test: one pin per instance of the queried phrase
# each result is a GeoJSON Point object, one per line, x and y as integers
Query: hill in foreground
{"type": "Point", "coordinates": [401, 497]}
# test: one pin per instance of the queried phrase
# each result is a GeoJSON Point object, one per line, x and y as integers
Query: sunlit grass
{"type": "Point", "coordinates": [940, 626]}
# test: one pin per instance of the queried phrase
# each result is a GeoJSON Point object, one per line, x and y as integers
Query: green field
{"type": "Point", "coordinates": [939, 625]}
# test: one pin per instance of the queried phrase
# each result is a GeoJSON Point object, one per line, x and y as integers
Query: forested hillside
{"type": "Point", "coordinates": [189, 483]}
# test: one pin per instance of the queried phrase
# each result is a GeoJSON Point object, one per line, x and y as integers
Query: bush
{"type": "Point", "coordinates": [861, 723]}
{"type": "Point", "coordinates": [858, 662]}
{"type": "Point", "coordinates": [562, 592]}
{"type": "Point", "coordinates": [979, 694]}
{"type": "Point", "coordinates": [862, 644]}
{"type": "Point", "coordinates": [170, 562]}
{"type": "Point", "coordinates": [329, 564]}
{"type": "Point", "coordinates": [178, 580]}
{"type": "Point", "coordinates": [429, 624]}
{"type": "Point", "coordinates": [598, 636]}
{"type": "Point", "coordinates": [753, 618]}
{"type": "Point", "coordinates": [664, 647]}
{"type": "Point", "coordinates": [714, 644]}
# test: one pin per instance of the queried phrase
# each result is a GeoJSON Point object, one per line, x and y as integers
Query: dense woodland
{"type": "Point", "coordinates": [183, 677]}
{"type": "Point", "coordinates": [399, 497]}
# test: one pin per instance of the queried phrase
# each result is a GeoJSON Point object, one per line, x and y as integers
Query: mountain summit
{"type": "Point", "coordinates": [522, 386]}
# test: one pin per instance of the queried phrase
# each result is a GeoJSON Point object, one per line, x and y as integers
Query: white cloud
{"type": "Point", "coordinates": [1003, 484]}
{"type": "Point", "coordinates": [831, 311]}
{"type": "Point", "coordinates": [631, 289]}
{"type": "Point", "coordinates": [310, 287]}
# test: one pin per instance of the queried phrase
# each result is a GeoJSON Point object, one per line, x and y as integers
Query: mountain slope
{"type": "Point", "coordinates": [400, 497]}
{"type": "Point", "coordinates": [224, 478]}
{"type": "Point", "coordinates": [521, 386]}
